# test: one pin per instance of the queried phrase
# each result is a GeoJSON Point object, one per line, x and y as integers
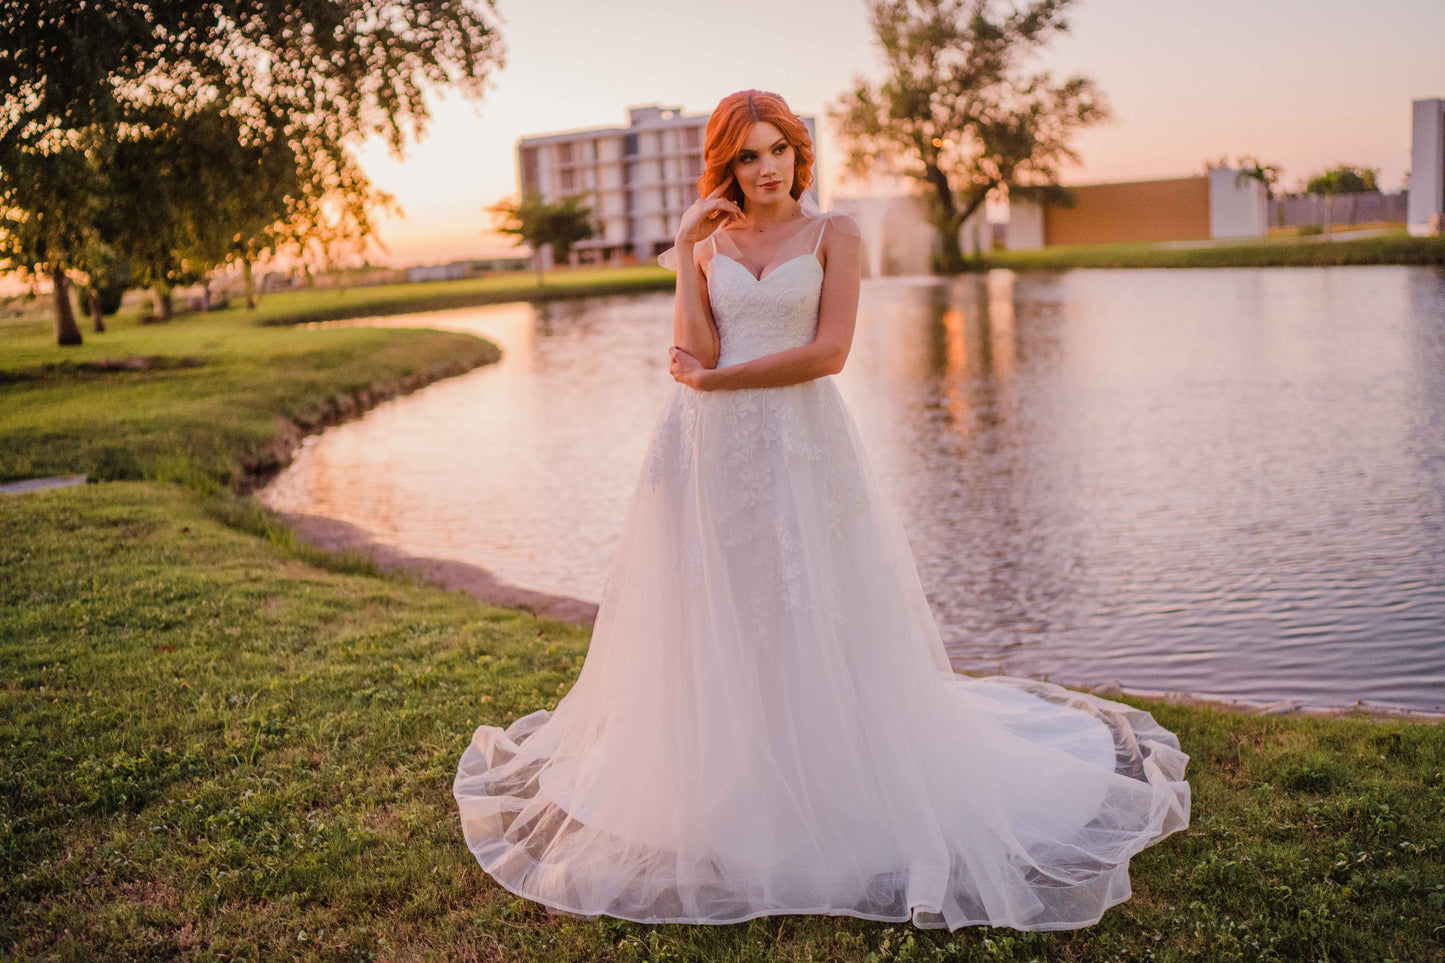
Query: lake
{"type": "Point", "coordinates": [1229, 482]}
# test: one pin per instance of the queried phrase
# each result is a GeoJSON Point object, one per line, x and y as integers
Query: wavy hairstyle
{"type": "Point", "coordinates": [728, 128]}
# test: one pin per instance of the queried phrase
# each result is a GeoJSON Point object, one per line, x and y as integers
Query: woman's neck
{"type": "Point", "coordinates": [766, 216]}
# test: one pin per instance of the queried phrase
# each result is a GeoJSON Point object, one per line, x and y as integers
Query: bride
{"type": "Point", "coordinates": [766, 721]}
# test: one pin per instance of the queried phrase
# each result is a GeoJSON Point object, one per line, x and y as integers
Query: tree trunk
{"type": "Point", "coordinates": [65, 330]}
{"type": "Point", "coordinates": [537, 261]}
{"type": "Point", "coordinates": [97, 312]}
{"type": "Point", "coordinates": [250, 284]}
{"type": "Point", "coordinates": [950, 253]}
{"type": "Point", "coordinates": [946, 221]}
{"type": "Point", "coordinates": [161, 298]}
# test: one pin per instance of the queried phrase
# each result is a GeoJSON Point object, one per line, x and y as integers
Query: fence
{"type": "Point", "coordinates": [1297, 210]}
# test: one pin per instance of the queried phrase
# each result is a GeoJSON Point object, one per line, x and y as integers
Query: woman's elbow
{"type": "Point", "coordinates": [835, 361]}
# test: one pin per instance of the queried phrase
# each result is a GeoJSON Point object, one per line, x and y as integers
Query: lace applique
{"type": "Point", "coordinates": [757, 318]}
{"type": "Point", "coordinates": [673, 440]}
{"type": "Point", "coordinates": [756, 437]}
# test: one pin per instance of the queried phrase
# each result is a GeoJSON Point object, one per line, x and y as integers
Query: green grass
{"type": "Point", "coordinates": [216, 749]}
{"type": "Point", "coordinates": [1397, 248]}
{"type": "Point", "coordinates": [210, 408]}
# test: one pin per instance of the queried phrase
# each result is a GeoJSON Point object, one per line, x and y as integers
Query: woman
{"type": "Point", "coordinates": [766, 721]}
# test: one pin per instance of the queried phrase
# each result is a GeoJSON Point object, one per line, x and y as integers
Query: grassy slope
{"type": "Point", "coordinates": [210, 411]}
{"type": "Point", "coordinates": [215, 749]}
{"type": "Point", "coordinates": [1397, 248]}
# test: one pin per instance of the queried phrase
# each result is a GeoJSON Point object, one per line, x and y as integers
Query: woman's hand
{"type": "Point", "coordinates": [685, 369]}
{"type": "Point", "coordinates": [707, 214]}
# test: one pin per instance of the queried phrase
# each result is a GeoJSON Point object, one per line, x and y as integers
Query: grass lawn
{"type": "Point", "coordinates": [220, 746]}
{"type": "Point", "coordinates": [1397, 248]}
{"type": "Point", "coordinates": [217, 749]}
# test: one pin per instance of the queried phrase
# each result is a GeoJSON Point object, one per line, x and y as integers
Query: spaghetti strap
{"type": "Point", "coordinates": [820, 236]}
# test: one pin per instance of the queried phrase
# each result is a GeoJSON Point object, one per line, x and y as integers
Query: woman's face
{"type": "Point", "coordinates": [764, 165]}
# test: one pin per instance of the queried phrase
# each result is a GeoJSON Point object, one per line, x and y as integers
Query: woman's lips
{"type": "Point", "coordinates": [770, 185]}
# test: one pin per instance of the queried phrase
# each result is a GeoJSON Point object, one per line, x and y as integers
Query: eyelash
{"type": "Point", "coordinates": [747, 157]}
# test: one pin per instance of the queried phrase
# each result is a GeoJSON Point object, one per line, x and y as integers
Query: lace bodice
{"type": "Point", "coordinates": [758, 316]}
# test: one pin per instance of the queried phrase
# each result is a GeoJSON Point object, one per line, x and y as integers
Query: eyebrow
{"type": "Point", "coordinates": [780, 140]}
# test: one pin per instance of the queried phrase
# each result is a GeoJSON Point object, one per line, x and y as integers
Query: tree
{"type": "Point", "coordinates": [957, 110]}
{"type": "Point", "coordinates": [536, 222]}
{"type": "Point", "coordinates": [318, 77]}
{"type": "Point", "coordinates": [1344, 179]}
{"type": "Point", "coordinates": [48, 220]}
{"type": "Point", "coordinates": [1251, 168]}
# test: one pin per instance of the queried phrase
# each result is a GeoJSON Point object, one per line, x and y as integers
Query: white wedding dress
{"type": "Point", "coordinates": [766, 721]}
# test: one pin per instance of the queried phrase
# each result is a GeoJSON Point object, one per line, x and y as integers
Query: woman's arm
{"type": "Point", "coordinates": [842, 253]}
{"type": "Point", "coordinates": [693, 327]}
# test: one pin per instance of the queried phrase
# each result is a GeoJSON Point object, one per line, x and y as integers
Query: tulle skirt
{"type": "Point", "coordinates": [766, 721]}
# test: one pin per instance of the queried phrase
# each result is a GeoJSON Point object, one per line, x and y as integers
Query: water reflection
{"type": "Point", "coordinates": [1229, 481]}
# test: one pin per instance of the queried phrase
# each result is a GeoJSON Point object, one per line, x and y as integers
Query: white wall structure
{"type": "Point", "coordinates": [974, 235]}
{"type": "Point", "coordinates": [1426, 207]}
{"type": "Point", "coordinates": [1238, 206]}
{"type": "Point", "coordinates": [637, 179]}
{"type": "Point", "coordinates": [1025, 228]}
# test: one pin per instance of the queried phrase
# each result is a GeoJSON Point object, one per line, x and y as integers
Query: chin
{"type": "Point", "coordinates": [774, 197]}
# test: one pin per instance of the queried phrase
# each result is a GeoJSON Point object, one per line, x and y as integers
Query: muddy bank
{"type": "Point", "coordinates": [338, 536]}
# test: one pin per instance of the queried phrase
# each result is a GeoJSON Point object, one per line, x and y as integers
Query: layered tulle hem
{"type": "Point", "coordinates": [532, 846]}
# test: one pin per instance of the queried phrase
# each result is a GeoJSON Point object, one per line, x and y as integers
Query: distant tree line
{"type": "Point", "coordinates": [147, 143]}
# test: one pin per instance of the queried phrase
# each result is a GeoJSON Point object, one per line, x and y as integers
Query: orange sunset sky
{"type": "Point", "coordinates": [1301, 84]}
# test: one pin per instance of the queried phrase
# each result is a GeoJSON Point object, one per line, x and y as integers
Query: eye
{"type": "Point", "coordinates": [780, 148]}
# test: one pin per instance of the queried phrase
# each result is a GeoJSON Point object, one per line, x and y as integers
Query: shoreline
{"type": "Point", "coordinates": [290, 432]}
{"type": "Point", "coordinates": [336, 536]}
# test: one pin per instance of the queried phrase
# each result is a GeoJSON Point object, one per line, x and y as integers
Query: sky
{"type": "Point", "coordinates": [1305, 85]}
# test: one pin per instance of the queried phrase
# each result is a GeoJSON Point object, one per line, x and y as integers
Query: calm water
{"type": "Point", "coordinates": [1228, 482]}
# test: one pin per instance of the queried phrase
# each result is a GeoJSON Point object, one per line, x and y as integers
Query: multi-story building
{"type": "Point", "coordinates": [637, 179]}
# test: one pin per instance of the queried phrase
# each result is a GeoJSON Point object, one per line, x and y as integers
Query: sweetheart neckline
{"type": "Point", "coordinates": [775, 270]}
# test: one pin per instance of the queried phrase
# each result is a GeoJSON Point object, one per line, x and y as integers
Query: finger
{"type": "Point", "coordinates": [722, 188]}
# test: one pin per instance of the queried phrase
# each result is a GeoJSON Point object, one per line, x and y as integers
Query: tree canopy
{"type": "Point", "coordinates": [959, 111]}
{"type": "Point", "coordinates": [1344, 179]}
{"type": "Point", "coordinates": [193, 134]}
{"type": "Point", "coordinates": [536, 222]}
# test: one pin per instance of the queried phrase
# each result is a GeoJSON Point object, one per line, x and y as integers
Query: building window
{"type": "Point", "coordinates": [567, 179]}
{"type": "Point", "coordinates": [564, 153]}
{"type": "Point", "coordinates": [691, 140]}
{"type": "Point", "coordinates": [629, 143]}
{"type": "Point", "coordinates": [529, 170]}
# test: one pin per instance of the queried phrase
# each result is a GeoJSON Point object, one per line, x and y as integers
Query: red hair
{"type": "Point", "coordinates": [728, 128]}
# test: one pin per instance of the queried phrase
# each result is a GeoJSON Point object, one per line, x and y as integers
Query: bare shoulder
{"type": "Point", "coordinates": [843, 224]}
{"type": "Point", "coordinates": [841, 236]}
